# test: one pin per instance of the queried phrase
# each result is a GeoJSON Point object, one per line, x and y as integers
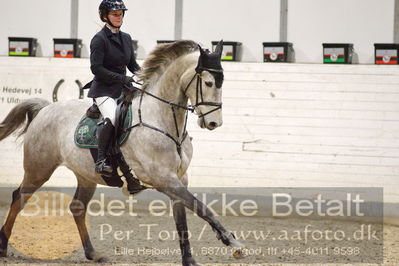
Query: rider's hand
{"type": "Point", "coordinates": [127, 80]}
{"type": "Point", "coordinates": [136, 83]}
{"type": "Point", "coordinates": [135, 79]}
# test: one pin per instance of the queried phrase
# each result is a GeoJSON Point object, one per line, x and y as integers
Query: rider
{"type": "Point", "coordinates": [111, 51]}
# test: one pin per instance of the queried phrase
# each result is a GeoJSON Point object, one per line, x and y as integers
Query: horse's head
{"type": "Point", "coordinates": [206, 93]}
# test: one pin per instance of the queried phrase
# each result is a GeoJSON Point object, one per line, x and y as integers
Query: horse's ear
{"type": "Point", "coordinates": [201, 50]}
{"type": "Point", "coordinates": [219, 48]}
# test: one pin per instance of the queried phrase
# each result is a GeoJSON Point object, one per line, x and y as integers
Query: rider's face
{"type": "Point", "coordinates": [116, 17]}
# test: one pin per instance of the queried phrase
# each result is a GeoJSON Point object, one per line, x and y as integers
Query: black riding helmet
{"type": "Point", "coordinates": [110, 5]}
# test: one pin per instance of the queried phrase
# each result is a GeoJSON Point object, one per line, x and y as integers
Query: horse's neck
{"type": "Point", "coordinates": [169, 88]}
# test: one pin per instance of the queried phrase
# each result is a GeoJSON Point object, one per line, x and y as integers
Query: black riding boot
{"type": "Point", "coordinates": [104, 139]}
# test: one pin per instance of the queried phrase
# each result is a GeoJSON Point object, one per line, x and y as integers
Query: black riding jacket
{"type": "Point", "coordinates": [110, 54]}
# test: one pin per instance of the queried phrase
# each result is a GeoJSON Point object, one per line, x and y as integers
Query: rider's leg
{"type": "Point", "coordinates": [107, 106]}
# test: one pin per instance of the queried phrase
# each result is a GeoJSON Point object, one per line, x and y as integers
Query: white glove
{"type": "Point", "coordinates": [136, 83]}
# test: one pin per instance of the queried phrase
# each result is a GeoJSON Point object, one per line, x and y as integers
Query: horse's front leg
{"type": "Point", "coordinates": [176, 191]}
{"type": "Point", "coordinates": [179, 214]}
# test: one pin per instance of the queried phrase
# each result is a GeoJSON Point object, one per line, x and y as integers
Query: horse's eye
{"type": "Point", "coordinates": [209, 83]}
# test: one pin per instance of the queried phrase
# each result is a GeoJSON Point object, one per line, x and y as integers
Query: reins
{"type": "Point", "coordinates": [174, 106]}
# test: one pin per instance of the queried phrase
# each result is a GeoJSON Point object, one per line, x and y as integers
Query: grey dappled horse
{"type": "Point", "coordinates": [158, 149]}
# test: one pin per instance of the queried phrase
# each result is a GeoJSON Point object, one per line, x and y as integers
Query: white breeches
{"type": "Point", "coordinates": [107, 106]}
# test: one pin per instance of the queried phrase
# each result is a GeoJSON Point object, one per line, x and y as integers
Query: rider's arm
{"type": "Point", "coordinates": [97, 50]}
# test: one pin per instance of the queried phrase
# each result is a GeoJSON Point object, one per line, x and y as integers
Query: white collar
{"type": "Point", "coordinates": [112, 29]}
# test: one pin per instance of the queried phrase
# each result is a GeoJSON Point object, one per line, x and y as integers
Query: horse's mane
{"type": "Point", "coordinates": [158, 60]}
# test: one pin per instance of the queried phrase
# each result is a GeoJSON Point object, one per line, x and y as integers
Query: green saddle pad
{"type": "Point", "coordinates": [85, 134]}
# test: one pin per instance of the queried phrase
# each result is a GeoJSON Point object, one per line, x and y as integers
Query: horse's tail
{"type": "Point", "coordinates": [26, 110]}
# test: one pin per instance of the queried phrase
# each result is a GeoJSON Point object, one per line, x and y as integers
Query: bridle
{"type": "Point", "coordinates": [198, 102]}
{"type": "Point", "coordinates": [198, 90]}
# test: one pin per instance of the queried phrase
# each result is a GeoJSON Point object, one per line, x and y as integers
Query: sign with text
{"type": "Point", "coordinates": [276, 225]}
{"type": "Point", "coordinates": [51, 79]}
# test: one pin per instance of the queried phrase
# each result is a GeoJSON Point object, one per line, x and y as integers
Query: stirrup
{"type": "Point", "coordinates": [102, 167]}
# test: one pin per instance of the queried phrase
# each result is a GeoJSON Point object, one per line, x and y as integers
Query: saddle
{"type": "Point", "coordinates": [86, 132]}
{"type": "Point", "coordinates": [85, 137]}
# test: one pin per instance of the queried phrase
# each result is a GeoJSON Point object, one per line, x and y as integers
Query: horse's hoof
{"type": "Point", "coordinates": [239, 253]}
{"type": "Point", "coordinates": [190, 262]}
{"type": "Point", "coordinates": [96, 257]}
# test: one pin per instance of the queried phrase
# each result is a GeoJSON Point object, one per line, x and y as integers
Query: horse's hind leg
{"type": "Point", "coordinates": [78, 207]}
{"type": "Point", "coordinates": [5, 231]}
{"type": "Point", "coordinates": [33, 180]}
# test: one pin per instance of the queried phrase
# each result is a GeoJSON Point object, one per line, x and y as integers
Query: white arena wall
{"type": "Point", "coordinates": [361, 22]}
{"type": "Point", "coordinates": [285, 125]}
{"type": "Point", "coordinates": [309, 24]}
{"type": "Point", "coordinates": [251, 23]}
{"type": "Point", "coordinates": [146, 21]}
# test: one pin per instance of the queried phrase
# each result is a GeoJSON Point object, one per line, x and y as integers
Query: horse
{"type": "Point", "coordinates": [158, 150]}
